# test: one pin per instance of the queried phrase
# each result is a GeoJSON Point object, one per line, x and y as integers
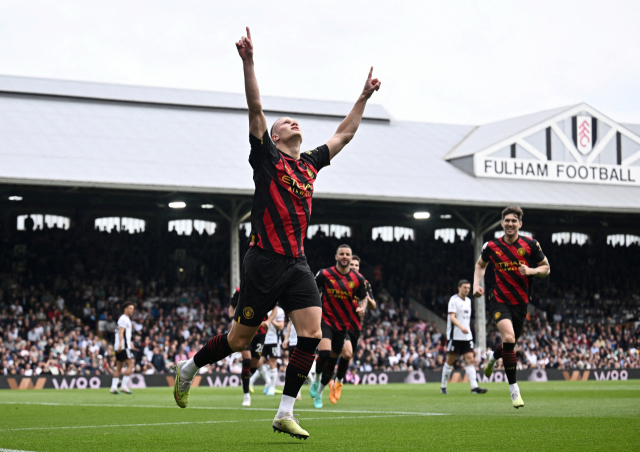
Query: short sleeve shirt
{"type": "Point", "coordinates": [462, 309]}
{"type": "Point", "coordinates": [123, 322]}
{"type": "Point", "coordinates": [510, 286]}
{"type": "Point", "coordinates": [281, 209]}
{"type": "Point", "coordinates": [340, 295]}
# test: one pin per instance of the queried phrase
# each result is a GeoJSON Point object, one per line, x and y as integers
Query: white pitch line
{"type": "Point", "coordinates": [406, 413]}
{"type": "Point", "coordinates": [188, 423]}
{"type": "Point", "coordinates": [13, 450]}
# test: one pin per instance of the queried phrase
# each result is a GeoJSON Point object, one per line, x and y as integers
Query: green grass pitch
{"type": "Point", "coordinates": [579, 415]}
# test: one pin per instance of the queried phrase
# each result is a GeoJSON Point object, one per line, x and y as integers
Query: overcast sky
{"type": "Point", "coordinates": [465, 62]}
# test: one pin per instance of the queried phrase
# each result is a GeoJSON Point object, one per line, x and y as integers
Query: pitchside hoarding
{"type": "Point", "coordinates": [139, 381]}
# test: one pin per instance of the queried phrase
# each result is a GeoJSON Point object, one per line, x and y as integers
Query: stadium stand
{"type": "Point", "coordinates": [61, 291]}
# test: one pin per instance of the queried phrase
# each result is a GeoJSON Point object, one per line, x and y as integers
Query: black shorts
{"type": "Point", "coordinates": [271, 351]}
{"type": "Point", "coordinates": [353, 336]}
{"type": "Point", "coordinates": [336, 336]}
{"type": "Point", "coordinates": [256, 347]}
{"type": "Point", "coordinates": [124, 355]}
{"type": "Point", "coordinates": [516, 313]}
{"type": "Point", "coordinates": [268, 278]}
{"type": "Point", "coordinates": [459, 347]}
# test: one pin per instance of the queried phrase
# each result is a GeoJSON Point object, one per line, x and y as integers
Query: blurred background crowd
{"type": "Point", "coordinates": [61, 293]}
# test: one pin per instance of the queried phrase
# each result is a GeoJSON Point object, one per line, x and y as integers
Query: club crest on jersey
{"type": "Point", "coordinates": [351, 284]}
{"type": "Point", "coordinates": [497, 315]}
{"type": "Point", "coordinates": [247, 313]}
{"type": "Point", "coordinates": [522, 252]}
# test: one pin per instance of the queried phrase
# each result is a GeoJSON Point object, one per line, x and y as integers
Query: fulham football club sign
{"type": "Point", "coordinates": [579, 145]}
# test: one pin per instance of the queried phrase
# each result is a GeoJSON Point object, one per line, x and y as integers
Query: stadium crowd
{"type": "Point", "coordinates": [61, 294]}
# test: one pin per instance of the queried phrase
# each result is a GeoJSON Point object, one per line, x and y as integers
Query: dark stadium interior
{"type": "Point", "coordinates": [60, 290]}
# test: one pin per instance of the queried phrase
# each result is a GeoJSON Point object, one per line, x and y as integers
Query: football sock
{"type": "Point", "coordinates": [509, 361]}
{"type": "Point", "coordinates": [471, 373]}
{"type": "Point", "coordinates": [264, 373]}
{"type": "Point", "coordinates": [125, 381]}
{"type": "Point", "coordinates": [300, 362]}
{"type": "Point", "coordinates": [320, 389]}
{"type": "Point", "coordinates": [246, 374]}
{"type": "Point", "coordinates": [189, 369]}
{"type": "Point", "coordinates": [497, 353]}
{"type": "Point", "coordinates": [343, 365]}
{"type": "Point", "coordinates": [273, 376]}
{"type": "Point", "coordinates": [327, 372]}
{"type": "Point", "coordinates": [514, 389]}
{"type": "Point", "coordinates": [446, 373]}
{"type": "Point", "coordinates": [254, 376]}
{"type": "Point", "coordinates": [214, 350]}
{"type": "Point", "coordinates": [323, 356]}
{"type": "Point", "coordinates": [286, 406]}
{"type": "Point", "coordinates": [114, 383]}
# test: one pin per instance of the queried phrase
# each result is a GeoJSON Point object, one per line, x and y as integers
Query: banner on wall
{"type": "Point", "coordinates": [215, 380]}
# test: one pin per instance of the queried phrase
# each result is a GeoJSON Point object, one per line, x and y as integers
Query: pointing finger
{"type": "Point", "coordinates": [248, 33]}
{"type": "Point", "coordinates": [370, 72]}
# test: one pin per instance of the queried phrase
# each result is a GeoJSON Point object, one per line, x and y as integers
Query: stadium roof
{"type": "Point", "coordinates": [63, 133]}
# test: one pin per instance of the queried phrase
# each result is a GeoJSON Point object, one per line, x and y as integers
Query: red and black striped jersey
{"type": "Point", "coordinates": [339, 297]}
{"type": "Point", "coordinates": [357, 323]}
{"type": "Point", "coordinates": [281, 208]}
{"type": "Point", "coordinates": [510, 286]}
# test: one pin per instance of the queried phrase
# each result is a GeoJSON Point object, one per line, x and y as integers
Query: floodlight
{"type": "Point", "coordinates": [207, 206]}
{"type": "Point", "coordinates": [15, 198]}
{"type": "Point", "coordinates": [178, 205]}
{"type": "Point", "coordinates": [421, 215]}
{"type": "Point", "coordinates": [445, 216]}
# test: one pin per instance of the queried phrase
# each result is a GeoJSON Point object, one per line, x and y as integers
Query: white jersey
{"type": "Point", "coordinates": [123, 322]}
{"type": "Point", "coordinates": [272, 332]}
{"type": "Point", "coordinates": [293, 336]}
{"type": "Point", "coordinates": [462, 309]}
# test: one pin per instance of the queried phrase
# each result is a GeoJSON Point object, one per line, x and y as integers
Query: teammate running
{"type": "Point", "coordinates": [353, 335]}
{"type": "Point", "coordinates": [122, 347]}
{"type": "Point", "coordinates": [252, 355]}
{"type": "Point", "coordinates": [460, 339]}
{"type": "Point", "coordinates": [275, 267]}
{"type": "Point", "coordinates": [512, 257]}
{"type": "Point", "coordinates": [341, 287]}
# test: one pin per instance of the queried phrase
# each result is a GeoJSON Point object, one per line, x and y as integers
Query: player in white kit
{"type": "Point", "coordinates": [459, 338]}
{"type": "Point", "coordinates": [122, 348]}
{"type": "Point", "coordinates": [272, 349]}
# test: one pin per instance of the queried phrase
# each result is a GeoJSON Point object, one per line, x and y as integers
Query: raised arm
{"type": "Point", "coordinates": [257, 120]}
{"type": "Point", "coordinates": [348, 127]}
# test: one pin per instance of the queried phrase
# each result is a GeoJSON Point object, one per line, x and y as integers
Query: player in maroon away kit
{"type": "Point", "coordinates": [513, 257]}
{"type": "Point", "coordinates": [275, 267]}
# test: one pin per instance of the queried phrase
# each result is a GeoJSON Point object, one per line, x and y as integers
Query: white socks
{"type": "Point", "coordinates": [264, 372]}
{"type": "Point", "coordinates": [446, 373]}
{"type": "Point", "coordinates": [471, 373]}
{"type": "Point", "coordinates": [490, 360]}
{"type": "Point", "coordinates": [514, 389]}
{"type": "Point", "coordinates": [320, 389]}
{"type": "Point", "coordinates": [114, 383]}
{"type": "Point", "coordinates": [125, 382]}
{"type": "Point", "coordinates": [273, 376]}
{"type": "Point", "coordinates": [318, 376]}
{"type": "Point", "coordinates": [286, 407]}
{"type": "Point", "coordinates": [188, 370]}
{"type": "Point", "coordinates": [254, 377]}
